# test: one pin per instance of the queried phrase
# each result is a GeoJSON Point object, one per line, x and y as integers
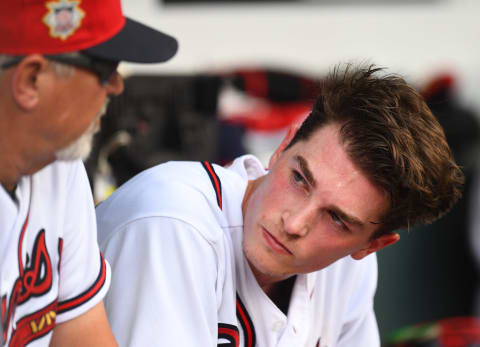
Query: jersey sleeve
{"type": "Point", "coordinates": [163, 284]}
{"type": "Point", "coordinates": [360, 325]}
{"type": "Point", "coordinates": [84, 273]}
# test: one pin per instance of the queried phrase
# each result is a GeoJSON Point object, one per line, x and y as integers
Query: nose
{"type": "Point", "coordinates": [114, 86]}
{"type": "Point", "coordinates": [298, 223]}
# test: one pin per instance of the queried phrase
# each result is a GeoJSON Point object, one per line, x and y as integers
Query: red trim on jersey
{"type": "Point", "coordinates": [89, 293]}
{"type": "Point", "coordinates": [22, 233]}
{"type": "Point", "coordinates": [20, 241]}
{"type": "Point", "coordinates": [215, 181]}
{"type": "Point", "coordinates": [34, 326]}
{"type": "Point", "coordinates": [246, 322]}
{"type": "Point", "coordinates": [230, 333]}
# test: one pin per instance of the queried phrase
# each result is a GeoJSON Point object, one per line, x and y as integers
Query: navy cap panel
{"type": "Point", "coordinates": [136, 43]}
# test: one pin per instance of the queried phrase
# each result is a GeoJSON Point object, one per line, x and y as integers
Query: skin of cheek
{"type": "Point", "coordinates": [264, 208]}
{"type": "Point", "coordinates": [324, 244]}
{"type": "Point", "coordinates": [84, 98]}
{"type": "Point", "coordinates": [255, 251]}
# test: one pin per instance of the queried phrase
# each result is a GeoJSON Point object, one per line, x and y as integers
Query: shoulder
{"type": "Point", "coordinates": [349, 270]}
{"type": "Point", "coordinates": [190, 192]}
{"type": "Point", "coordinates": [348, 285]}
{"type": "Point", "coordinates": [166, 189]}
{"type": "Point", "coordinates": [61, 173]}
{"type": "Point", "coordinates": [345, 289]}
{"type": "Point", "coordinates": [61, 181]}
{"type": "Point", "coordinates": [61, 168]}
{"type": "Point", "coordinates": [349, 278]}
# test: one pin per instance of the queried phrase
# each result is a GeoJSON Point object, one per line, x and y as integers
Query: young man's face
{"type": "Point", "coordinates": [312, 208]}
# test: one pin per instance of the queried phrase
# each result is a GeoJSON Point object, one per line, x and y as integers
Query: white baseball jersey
{"type": "Point", "coordinates": [51, 269]}
{"type": "Point", "coordinates": [173, 235]}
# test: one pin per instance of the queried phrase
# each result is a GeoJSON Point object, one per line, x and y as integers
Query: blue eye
{"type": "Point", "coordinates": [297, 177]}
{"type": "Point", "coordinates": [336, 219]}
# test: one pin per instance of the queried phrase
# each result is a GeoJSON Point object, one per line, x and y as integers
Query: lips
{"type": "Point", "coordinates": [274, 244]}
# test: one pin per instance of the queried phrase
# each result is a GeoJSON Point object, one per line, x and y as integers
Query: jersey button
{"type": "Point", "coordinates": [278, 325]}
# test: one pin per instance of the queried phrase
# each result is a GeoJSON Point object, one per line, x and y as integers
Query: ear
{"type": "Point", "coordinates": [374, 245]}
{"type": "Point", "coordinates": [25, 81]}
{"type": "Point", "coordinates": [292, 130]}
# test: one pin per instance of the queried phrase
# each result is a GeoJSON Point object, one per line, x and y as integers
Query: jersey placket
{"type": "Point", "coordinates": [296, 330]}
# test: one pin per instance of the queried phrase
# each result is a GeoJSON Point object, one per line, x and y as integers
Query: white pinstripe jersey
{"type": "Point", "coordinates": [173, 236]}
{"type": "Point", "coordinates": [51, 269]}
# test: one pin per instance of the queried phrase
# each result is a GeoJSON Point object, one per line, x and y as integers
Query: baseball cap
{"type": "Point", "coordinates": [97, 27]}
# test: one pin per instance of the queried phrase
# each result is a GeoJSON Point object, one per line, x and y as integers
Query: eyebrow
{"type": "Point", "coordinates": [302, 162]}
{"type": "Point", "coordinates": [347, 218]}
{"type": "Point", "coordinates": [306, 170]}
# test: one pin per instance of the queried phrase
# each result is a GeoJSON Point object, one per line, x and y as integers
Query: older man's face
{"type": "Point", "coordinates": [75, 108]}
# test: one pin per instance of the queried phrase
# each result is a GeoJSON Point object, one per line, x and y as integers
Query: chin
{"type": "Point", "coordinates": [73, 153]}
{"type": "Point", "coordinates": [262, 264]}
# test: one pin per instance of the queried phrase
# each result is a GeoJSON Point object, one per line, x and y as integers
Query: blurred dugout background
{"type": "Point", "coordinates": [225, 95]}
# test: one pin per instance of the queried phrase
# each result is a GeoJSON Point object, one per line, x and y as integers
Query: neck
{"type": "Point", "coordinates": [17, 162]}
{"type": "Point", "coordinates": [10, 191]}
{"type": "Point", "coordinates": [11, 142]}
{"type": "Point", "coordinates": [280, 292]}
{"type": "Point", "coordinates": [9, 172]}
{"type": "Point", "coordinates": [10, 188]}
{"type": "Point", "coordinates": [268, 283]}
{"type": "Point", "coordinates": [24, 149]}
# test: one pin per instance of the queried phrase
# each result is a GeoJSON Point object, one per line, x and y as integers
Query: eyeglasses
{"type": "Point", "coordinates": [103, 68]}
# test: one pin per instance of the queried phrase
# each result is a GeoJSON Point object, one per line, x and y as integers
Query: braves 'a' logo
{"type": "Point", "coordinates": [33, 280]}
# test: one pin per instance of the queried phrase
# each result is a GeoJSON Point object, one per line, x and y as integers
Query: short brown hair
{"type": "Point", "coordinates": [393, 137]}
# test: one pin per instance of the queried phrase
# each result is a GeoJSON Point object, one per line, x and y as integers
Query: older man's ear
{"type": "Point", "coordinates": [26, 82]}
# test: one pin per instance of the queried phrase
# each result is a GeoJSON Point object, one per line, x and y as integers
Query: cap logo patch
{"type": "Point", "coordinates": [63, 18]}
